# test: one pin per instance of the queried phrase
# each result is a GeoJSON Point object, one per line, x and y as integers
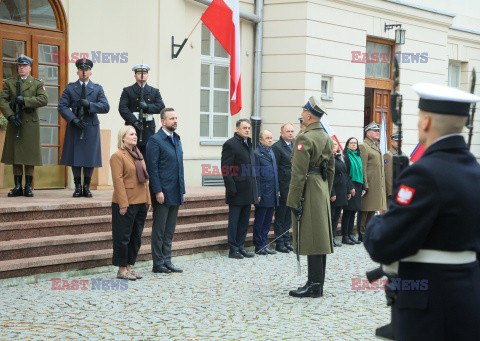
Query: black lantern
{"type": "Point", "coordinates": [399, 33]}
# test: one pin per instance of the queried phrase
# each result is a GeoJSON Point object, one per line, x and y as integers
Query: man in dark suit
{"type": "Point", "coordinates": [82, 145]}
{"type": "Point", "coordinates": [283, 216]}
{"type": "Point", "coordinates": [131, 102]}
{"type": "Point", "coordinates": [167, 187]}
{"type": "Point", "coordinates": [238, 173]}
{"type": "Point", "coordinates": [431, 231]}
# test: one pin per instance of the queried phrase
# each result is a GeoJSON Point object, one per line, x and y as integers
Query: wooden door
{"type": "Point", "coordinates": [381, 105]}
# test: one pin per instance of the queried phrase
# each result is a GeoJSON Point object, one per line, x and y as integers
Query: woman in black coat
{"type": "Point", "coordinates": [356, 178]}
{"type": "Point", "coordinates": [340, 190]}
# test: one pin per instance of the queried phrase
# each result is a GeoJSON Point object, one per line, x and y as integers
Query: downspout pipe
{"type": "Point", "coordinates": [257, 76]}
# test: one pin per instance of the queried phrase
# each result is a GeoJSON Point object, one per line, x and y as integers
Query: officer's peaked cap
{"type": "Point", "coordinates": [315, 107]}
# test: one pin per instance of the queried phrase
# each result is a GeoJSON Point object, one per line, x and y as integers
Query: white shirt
{"type": "Point", "coordinates": [289, 144]}
{"type": "Point", "coordinates": [444, 137]}
{"type": "Point", "coordinates": [166, 132]}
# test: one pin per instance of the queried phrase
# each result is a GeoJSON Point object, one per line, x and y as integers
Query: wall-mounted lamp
{"type": "Point", "coordinates": [399, 33]}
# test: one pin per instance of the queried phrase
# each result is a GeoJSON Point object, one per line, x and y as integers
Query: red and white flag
{"type": "Point", "coordinates": [222, 17]}
{"type": "Point", "coordinates": [329, 130]}
{"type": "Point", "coordinates": [417, 153]}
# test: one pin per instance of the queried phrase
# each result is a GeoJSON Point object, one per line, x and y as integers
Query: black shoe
{"type": "Point", "coordinates": [360, 237]}
{"type": "Point", "coordinates": [261, 252]}
{"type": "Point", "coordinates": [335, 243]}
{"type": "Point", "coordinates": [235, 255]}
{"type": "Point", "coordinates": [78, 187]}
{"type": "Point", "coordinates": [28, 186]}
{"type": "Point", "coordinates": [246, 254]}
{"type": "Point", "coordinates": [308, 290]}
{"type": "Point", "coordinates": [282, 248]}
{"type": "Point", "coordinates": [353, 239]}
{"type": "Point", "coordinates": [346, 240]}
{"type": "Point", "coordinates": [289, 246]}
{"type": "Point", "coordinates": [86, 187]}
{"type": "Point", "coordinates": [173, 268]}
{"type": "Point", "coordinates": [17, 191]}
{"type": "Point", "coordinates": [270, 251]}
{"type": "Point", "coordinates": [161, 269]}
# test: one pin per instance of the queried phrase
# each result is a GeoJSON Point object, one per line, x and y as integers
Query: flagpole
{"type": "Point", "coordinates": [180, 47]}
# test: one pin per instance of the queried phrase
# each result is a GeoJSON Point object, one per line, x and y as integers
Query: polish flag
{"type": "Point", "coordinates": [417, 153]}
{"type": "Point", "coordinates": [383, 135]}
{"type": "Point", "coordinates": [222, 17]}
{"type": "Point", "coordinates": [329, 130]}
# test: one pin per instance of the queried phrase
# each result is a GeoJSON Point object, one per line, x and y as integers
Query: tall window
{"type": "Point", "coordinates": [379, 56]}
{"type": "Point", "coordinates": [454, 72]}
{"type": "Point", "coordinates": [214, 89]}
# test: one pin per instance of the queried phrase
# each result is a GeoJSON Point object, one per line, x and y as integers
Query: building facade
{"type": "Point", "coordinates": [337, 50]}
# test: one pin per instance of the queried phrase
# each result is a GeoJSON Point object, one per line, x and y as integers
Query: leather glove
{"type": "Point", "coordinates": [20, 100]}
{"type": "Point", "coordinates": [85, 103]}
{"type": "Point", "coordinates": [78, 123]}
{"type": "Point", "coordinates": [138, 125]}
{"type": "Point", "coordinates": [143, 105]}
{"type": "Point", "coordinates": [17, 122]}
{"type": "Point", "coordinates": [297, 211]}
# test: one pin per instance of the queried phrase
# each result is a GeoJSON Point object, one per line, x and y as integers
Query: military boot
{"type": "Point", "coordinates": [308, 290]}
{"type": "Point", "coordinates": [86, 187]}
{"type": "Point", "coordinates": [17, 191]}
{"type": "Point", "coordinates": [78, 187]}
{"type": "Point", "coordinates": [28, 186]}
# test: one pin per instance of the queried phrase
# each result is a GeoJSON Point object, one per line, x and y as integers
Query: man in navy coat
{"type": "Point", "coordinates": [82, 146]}
{"type": "Point", "coordinates": [167, 187]}
{"type": "Point", "coordinates": [268, 192]}
{"type": "Point", "coordinates": [283, 215]}
{"type": "Point", "coordinates": [430, 235]}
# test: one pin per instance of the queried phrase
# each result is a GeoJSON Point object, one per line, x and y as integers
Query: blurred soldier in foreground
{"type": "Point", "coordinates": [433, 226]}
{"type": "Point", "coordinates": [388, 165]}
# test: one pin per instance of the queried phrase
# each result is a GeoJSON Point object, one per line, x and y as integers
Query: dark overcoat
{"type": "Point", "coordinates": [283, 156]}
{"type": "Point", "coordinates": [238, 172]}
{"type": "Point", "coordinates": [165, 167]}
{"type": "Point", "coordinates": [434, 206]}
{"type": "Point", "coordinates": [341, 183]}
{"type": "Point", "coordinates": [129, 104]}
{"type": "Point", "coordinates": [374, 174]}
{"type": "Point", "coordinates": [26, 149]}
{"type": "Point", "coordinates": [86, 152]}
{"type": "Point", "coordinates": [267, 176]}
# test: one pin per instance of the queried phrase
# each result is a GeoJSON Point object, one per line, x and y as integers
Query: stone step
{"type": "Point", "coordinates": [65, 244]}
{"type": "Point", "coordinates": [87, 209]}
{"type": "Point", "coordinates": [94, 258]}
{"type": "Point", "coordinates": [25, 229]}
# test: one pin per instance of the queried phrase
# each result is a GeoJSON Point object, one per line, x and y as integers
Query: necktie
{"type": "Point", "coordinates": [290, 146]}
{"type": "Point", "coordinates": [173, 140]}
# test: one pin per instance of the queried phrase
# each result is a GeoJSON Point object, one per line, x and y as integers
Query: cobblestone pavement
{"type": "Point", "coordinates": [214, 299]}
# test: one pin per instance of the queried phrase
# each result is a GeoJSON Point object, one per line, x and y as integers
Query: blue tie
{"type": "Point", "coordinates": [173, 140]}
{"type": "Point", "coordinates": [290, 146]}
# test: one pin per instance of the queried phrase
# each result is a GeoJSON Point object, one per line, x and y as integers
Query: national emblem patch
{"type": "Point", "coordinates": [405, 195]}
{"type": "Point", "coordinates": [300, 146]}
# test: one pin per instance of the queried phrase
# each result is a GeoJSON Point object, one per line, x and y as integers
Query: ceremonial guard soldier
{"type": "Point", "coordinates": [79, 105]}
{"type": "Point", "coordinates": [138, 103]}
{"type": "Point", "coordinates": [313, 167]}
{"type": "Point", "coordinates": [388, 165]}
{"type": "Point", "coordinates": [19, 99]}
{"type": "Point", "coordinates": [433, 226]}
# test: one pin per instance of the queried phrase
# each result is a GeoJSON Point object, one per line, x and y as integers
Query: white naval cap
{"type": "Point", "coordinates": [441, 99]}
{"type": "Point", "coordinates": [141, 67]}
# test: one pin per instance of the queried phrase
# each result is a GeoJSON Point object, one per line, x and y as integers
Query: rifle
{"type": "Point", "coordinates": [17, 108]}
{"type": "Point", "coordinates": [141, 115]}
{"type": "Point", "coordinates": [81, 109]}
{"type": "Point", "coordinates": [400, 162]}
{"type": "Point", "coordinates": [474, 106]}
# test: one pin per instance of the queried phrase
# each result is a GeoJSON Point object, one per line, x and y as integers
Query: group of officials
{"type": "Point", "coordinates": [430, 231]}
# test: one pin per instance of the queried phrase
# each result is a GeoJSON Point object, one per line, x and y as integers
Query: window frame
{"type": "Point", "coordinates": [328, 95]}
{"type": "Point", "coordinates": [451, 64]}
{"type": "Point", "coordinates": [211, 60]}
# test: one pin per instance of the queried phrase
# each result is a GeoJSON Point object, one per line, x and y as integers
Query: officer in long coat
{"type": "Point", "coordinates": [131, 102]}
{"type": "Point", "coordinates": [313, 167]}
{"type": "Point", "coordinates": [24, 150]}
{"type": "Point", "coordinates": [82, 146]}
{"type": "Point", "coordinates": [374, 173]}
{"type": "Point", "coordinates": [388, 166]}
{"type": "Point", "coordinates": [433, 226]}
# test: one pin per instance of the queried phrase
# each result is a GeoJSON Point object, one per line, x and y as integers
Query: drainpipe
{"type": "Point", "coordinates": [257, 83]}
{"type": "Point", "coordinates": [257, 19]}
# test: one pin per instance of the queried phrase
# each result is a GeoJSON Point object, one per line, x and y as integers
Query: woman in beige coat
{"type": "Point", "coordinates": [130, 203]}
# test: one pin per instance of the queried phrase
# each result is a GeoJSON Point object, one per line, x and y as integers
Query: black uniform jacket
{"type": "Point", "coordinates": [283, 156]}
{"type": "Point", "coordinates": [129, 104]}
